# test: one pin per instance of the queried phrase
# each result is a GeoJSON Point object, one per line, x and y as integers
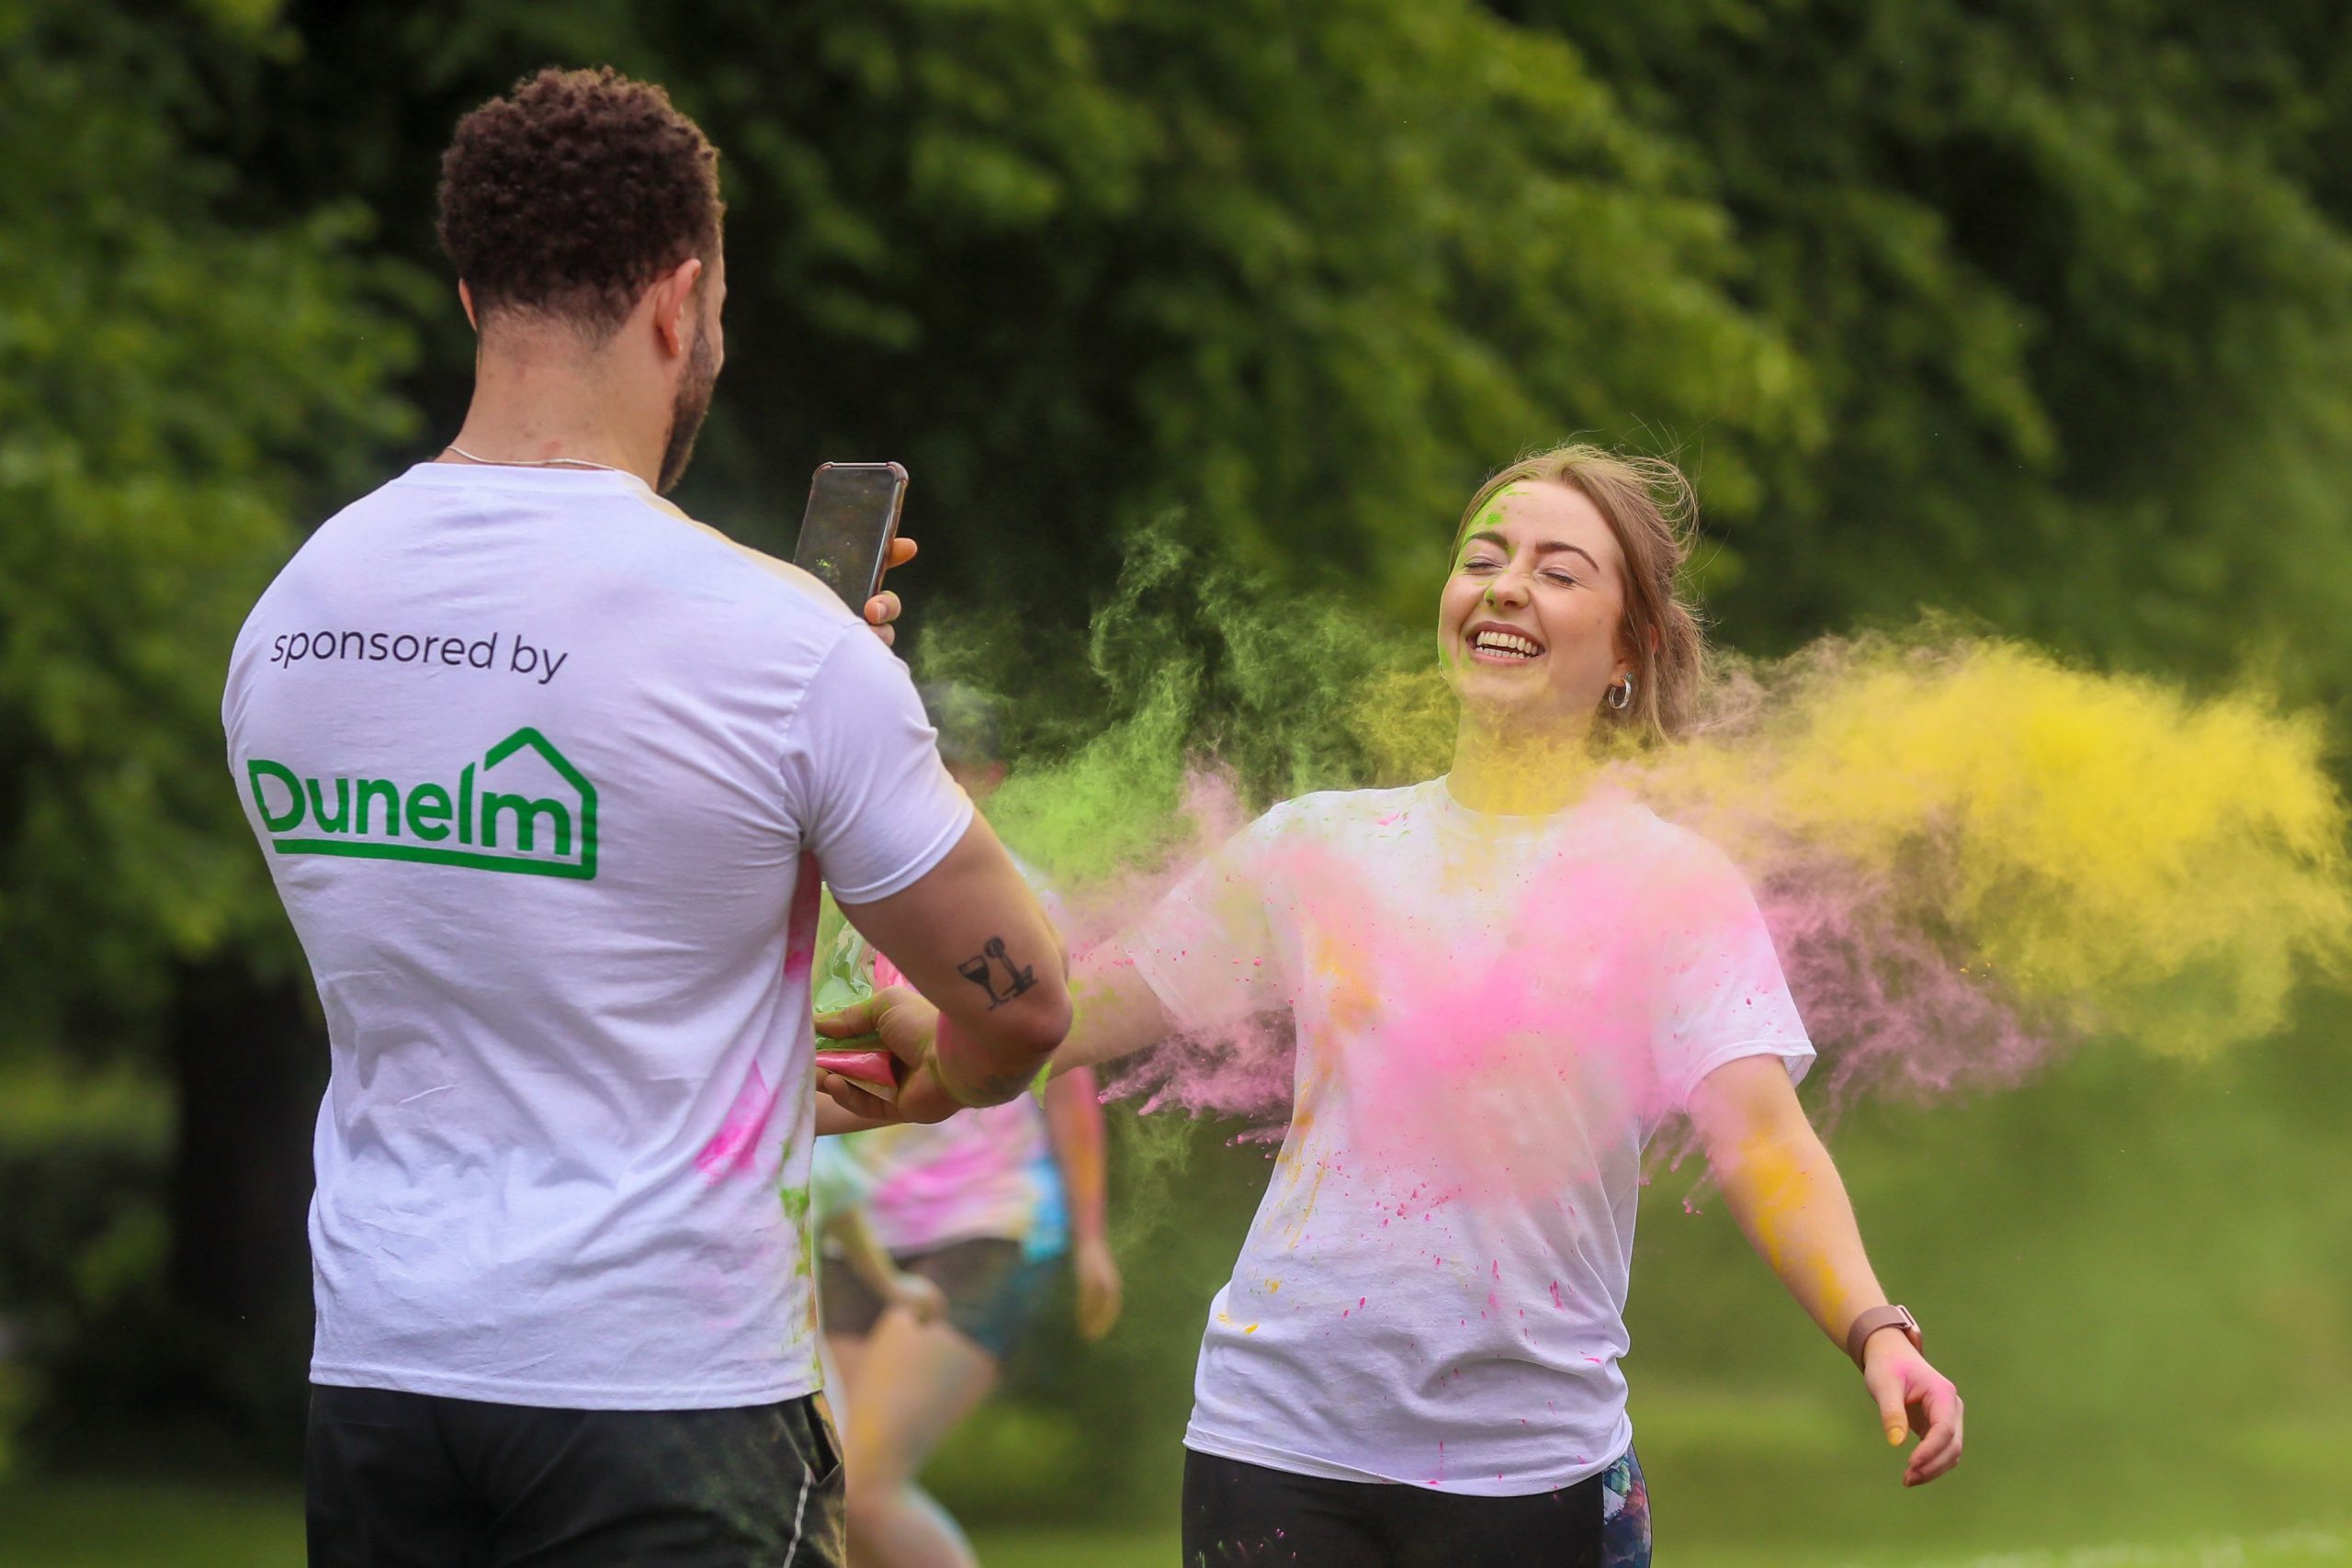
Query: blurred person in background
{"type": "Point", "coordinates": [837, 1190]}
{"type": "Point", "coordinates": [1503, 982]}
{"type": "Point", "coordinates": [547, 774]}
{"type": "Point", "coordinates": [984, 1205]}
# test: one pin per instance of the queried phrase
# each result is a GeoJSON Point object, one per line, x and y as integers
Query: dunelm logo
{"type": "Point", "coordinates": [479, 822]}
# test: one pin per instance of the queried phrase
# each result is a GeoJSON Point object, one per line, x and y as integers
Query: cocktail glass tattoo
{"type": "Point", "coordinates": [981, 970]}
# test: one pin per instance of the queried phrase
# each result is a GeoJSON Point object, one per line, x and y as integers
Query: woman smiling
{"type": "Point", "coordinates": [1503, 982]}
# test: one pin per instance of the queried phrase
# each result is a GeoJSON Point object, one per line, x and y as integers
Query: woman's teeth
{"type": "Point", "coordinates": [1506, 643]}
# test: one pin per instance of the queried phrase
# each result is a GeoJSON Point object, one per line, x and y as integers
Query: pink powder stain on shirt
{"type": "Point", "coordinates": [734, 1150]}
{"type": "Point", "coordinates": [1457, 1069]}
{"type": "Point", "coordinates": [1503, 1076]}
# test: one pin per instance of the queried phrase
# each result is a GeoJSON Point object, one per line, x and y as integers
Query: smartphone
{"type": "Point", "coordinates": [845, 534]}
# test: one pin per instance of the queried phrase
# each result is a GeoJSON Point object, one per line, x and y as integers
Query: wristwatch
{"type": "Point", "coordinates": [1874, 1320]}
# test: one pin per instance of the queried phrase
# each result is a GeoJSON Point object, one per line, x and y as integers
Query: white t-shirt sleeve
{"type": "Point", "coordinates": [862, 777]}
{"type": "Point", "coordinates": [1720, 994]}
{"type": "Point", "coordinates": [1206, 950]}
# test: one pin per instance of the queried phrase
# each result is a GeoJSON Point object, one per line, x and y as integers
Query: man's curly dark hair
{"type": "Point", "coordinates": [573, 193]}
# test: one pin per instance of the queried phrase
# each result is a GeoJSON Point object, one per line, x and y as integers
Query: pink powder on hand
{"type": "Point", "coordinates": [875, 1071]}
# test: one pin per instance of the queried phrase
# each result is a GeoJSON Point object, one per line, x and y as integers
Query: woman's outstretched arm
{"type": "Point", "coordinates": [1115, 1012]}
{"type": "Point", "coordinates": [1786, 1194]}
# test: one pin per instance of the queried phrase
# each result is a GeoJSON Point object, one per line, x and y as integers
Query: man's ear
{"type": "Point", "coordinates": [466, 297]}
{"type": "Point", "coordinates": [673, 299]}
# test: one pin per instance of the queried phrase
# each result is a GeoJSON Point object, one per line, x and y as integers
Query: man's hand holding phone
{"type": "Point", "coordinates": [849, 537]}
{"type": "Point", "coordinates": [883, 608]}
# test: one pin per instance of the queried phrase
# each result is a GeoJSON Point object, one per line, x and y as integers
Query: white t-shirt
{"type": "Point", "coordinates": [1492, 1014]}
{"type": "Point", "coordinates": [546, 774]}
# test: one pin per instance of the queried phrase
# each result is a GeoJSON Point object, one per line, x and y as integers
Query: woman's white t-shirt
{"type": "Point", "coordinates": [1492, 1015]}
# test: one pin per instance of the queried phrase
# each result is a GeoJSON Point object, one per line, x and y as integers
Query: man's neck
{"type": "Point", "coordinates": [533, 403]}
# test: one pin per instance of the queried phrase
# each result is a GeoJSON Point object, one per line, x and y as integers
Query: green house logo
{"type": "Point", "coordinates": [538, 818]}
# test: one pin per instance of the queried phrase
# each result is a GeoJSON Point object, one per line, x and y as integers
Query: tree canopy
{"type": "Point", "coordinates": [182, 382]}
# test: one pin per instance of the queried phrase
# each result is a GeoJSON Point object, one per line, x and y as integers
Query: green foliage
{"type": "Point", "coordinates": [1307, 272]}
{"type": "Point", "coordinates": [1301, 272]}
{"type": "Point", "coordinates": [2037, 313]}
{"type": "Point", "coordinates": [2074, 287]}
{"type": "Point", "coordinates": [174, 382]}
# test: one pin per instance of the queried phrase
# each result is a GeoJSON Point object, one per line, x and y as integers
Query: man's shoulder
{"type": "Point", "coordinates": [641, 526]}
{"type": "Point", "coordinates": [621, 553]}
{"type": "Point", "coordinates": [752, 572]}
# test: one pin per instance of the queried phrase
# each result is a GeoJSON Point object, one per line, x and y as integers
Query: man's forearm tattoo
{"type": "Point", "coordinates": [995, 974]}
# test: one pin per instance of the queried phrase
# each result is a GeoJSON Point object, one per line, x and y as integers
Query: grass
{"type": "Point", "coordinates": [93, 1524]}
{"type": "Point", "coordinates": [128, 1524]}
{"type": "Point", "coordinates": [87, 1523]}
{"type": "Point", "coordinates": [1762, 1480]}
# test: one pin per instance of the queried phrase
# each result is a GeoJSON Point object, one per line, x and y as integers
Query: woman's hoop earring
{"type": "Point", "coordinates": [1621, 694]}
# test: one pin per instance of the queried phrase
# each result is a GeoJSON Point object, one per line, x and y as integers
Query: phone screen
{"type": "Point", "coordinates": [845, 534]}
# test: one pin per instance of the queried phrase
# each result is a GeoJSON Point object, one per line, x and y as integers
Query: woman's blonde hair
{"type": "Point", "coordinates": [1651, 508]}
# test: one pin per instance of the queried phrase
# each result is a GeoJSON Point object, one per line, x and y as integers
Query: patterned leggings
{"type": "Point", "coordinates": [1624, 1515]}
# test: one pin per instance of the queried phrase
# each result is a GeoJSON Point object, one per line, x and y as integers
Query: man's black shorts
{"type": "Point", "coordinates": [411, 1480]}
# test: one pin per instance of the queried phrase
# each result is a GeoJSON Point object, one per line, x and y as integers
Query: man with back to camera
{"type": "Point", "coordinates": [547, 775]}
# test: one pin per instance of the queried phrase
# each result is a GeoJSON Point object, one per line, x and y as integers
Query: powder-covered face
{"type": "Point", "coordinates": [1528, 624]}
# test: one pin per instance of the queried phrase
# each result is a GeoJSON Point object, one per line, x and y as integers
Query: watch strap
{"type": "Point", "coordinates": [1876, 1318]}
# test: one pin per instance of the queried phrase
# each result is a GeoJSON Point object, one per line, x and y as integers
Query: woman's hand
{"type": "Point", "coordinates": [1913, 1396]}
{"type": "Point", "coordinates": [1785, 1193]}
{"type": "Point", "coordinates": [1099, 1289]}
